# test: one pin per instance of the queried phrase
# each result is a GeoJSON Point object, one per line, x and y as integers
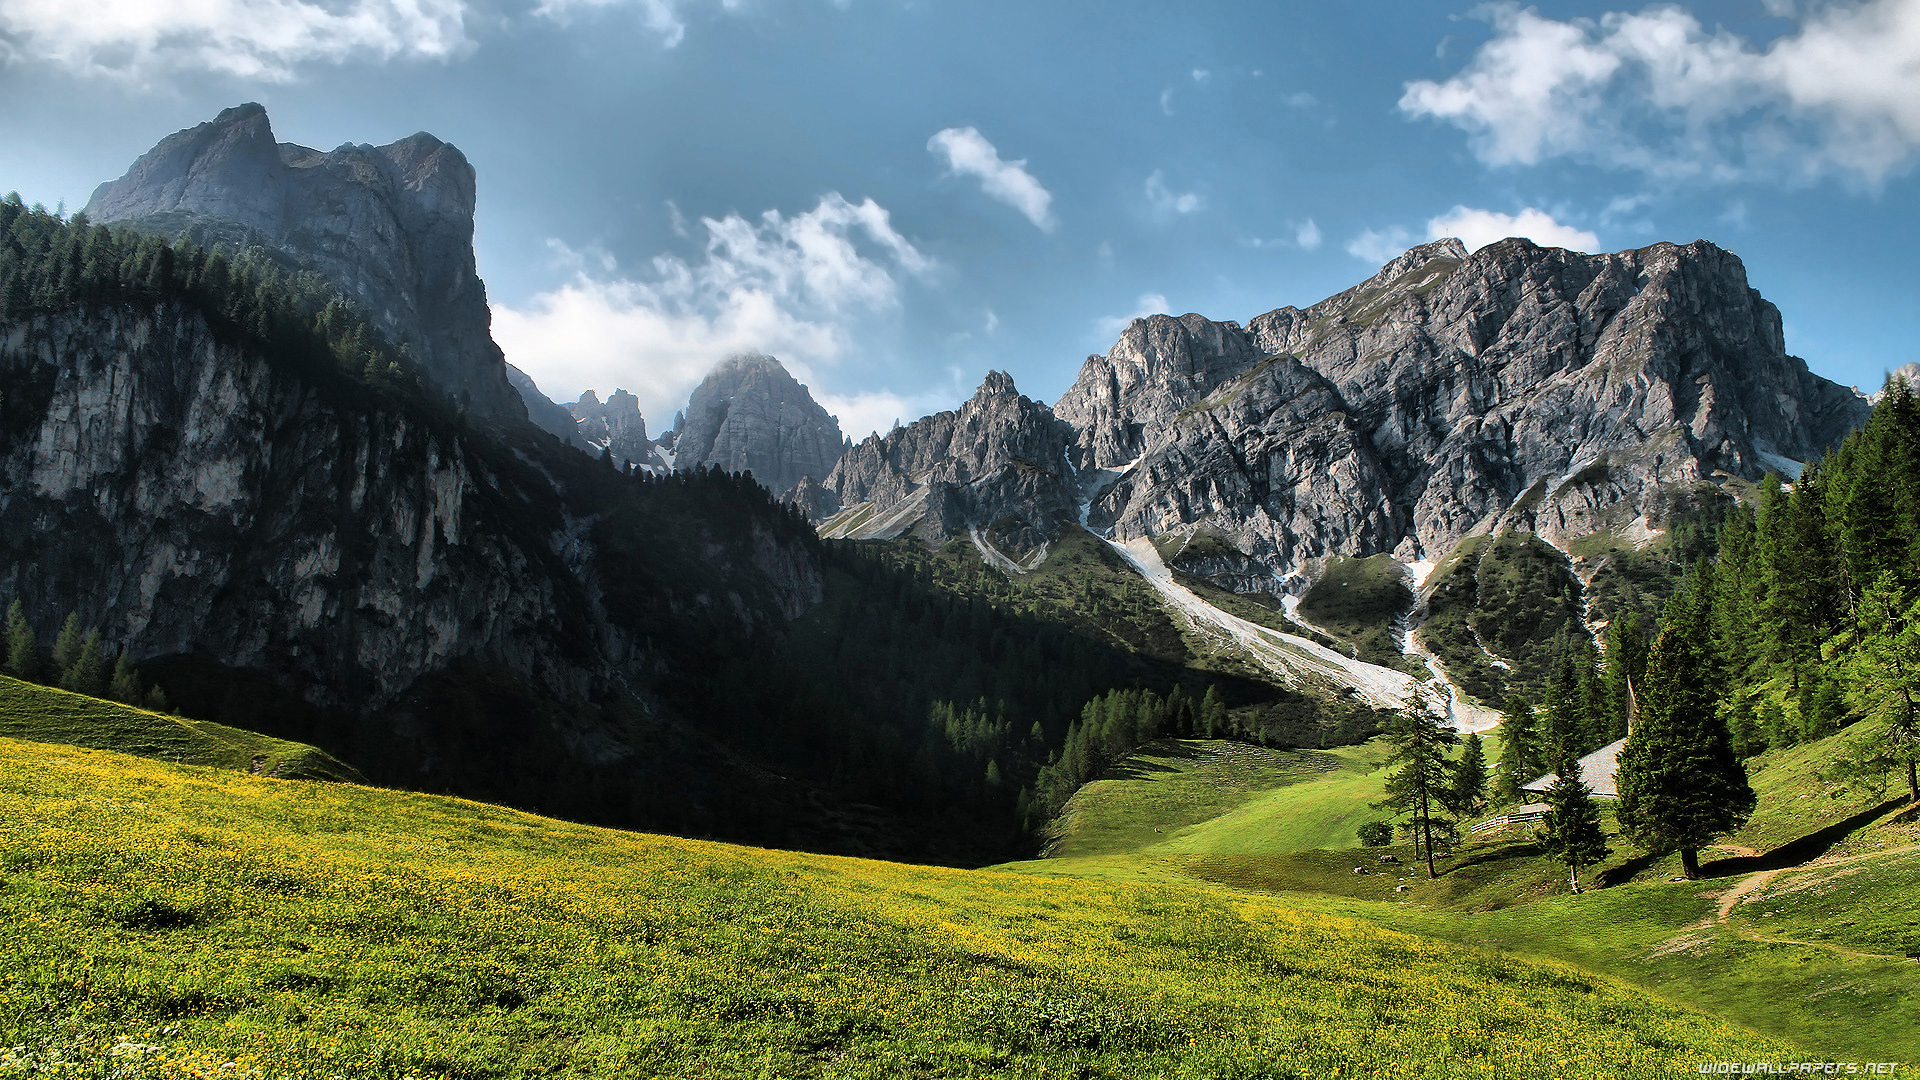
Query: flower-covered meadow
{"type": "Point", "coordinates": [162, 920]}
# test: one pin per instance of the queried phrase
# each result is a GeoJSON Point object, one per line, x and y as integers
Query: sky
{"type": "Point", "coordinates": [896, 196]}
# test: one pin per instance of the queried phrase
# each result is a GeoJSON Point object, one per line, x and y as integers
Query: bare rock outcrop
{"type": "Point", "coordinates": [999, 461]}
{"type": "Point", "coordinates": [750, 415]}
{"type": "Point", "coordinates": [390, 226]}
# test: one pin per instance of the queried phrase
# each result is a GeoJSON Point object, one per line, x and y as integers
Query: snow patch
{"type": "Point", "coordinates": [1420, 571]}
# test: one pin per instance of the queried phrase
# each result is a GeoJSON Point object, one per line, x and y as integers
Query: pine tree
{"type": "Point", "coordinates": [1680, 784]}
{"type": "Point", "coordinates": [157, 700]}
{"type": "Point", "coordinates": [23, 646]}
{"type": "Point", "coordinates": [1571, 830]}
{"type": "Point", "coordinates": [1626, 664]}
{"type": "Point", "coordinates": [1467, 787]}
{"type": "Point", "coordinates": [66, 647]}
{"type": "Point", "coordinates": [1885, 667]}
{"type": "Point", "coordinates": [1520, 756]}
{"type": "Point", "coordinates": [1420, 782]}
{"type": "Point", "coordinates": [125, 685]}
{"type": "Point", "coordinates": [88, 673]}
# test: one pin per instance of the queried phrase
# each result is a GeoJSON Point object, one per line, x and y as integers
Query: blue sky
{"type": "Point", "coordinates": [896, 195]}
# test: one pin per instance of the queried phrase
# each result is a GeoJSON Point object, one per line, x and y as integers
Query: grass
{"type": "Point", "coordinates": [44, 714]}
{"type": "Point", "coordinates": [1786, 960]}
{"type": "Point", "coordinates": [1871, 905]}
{"type": "Point", "coordinates": [1166, 788]}
{"type": "Point", "coordinates": [1364, 601]}
{"type": "Point", "coordinates": [162, 920]}
{"type": "Point", "coordinates": [1214, 797]}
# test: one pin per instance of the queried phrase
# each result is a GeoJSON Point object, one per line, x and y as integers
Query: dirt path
{"type": "Point", "coordinates": [1754, 883]}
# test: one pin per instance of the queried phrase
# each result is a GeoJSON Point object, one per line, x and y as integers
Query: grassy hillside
{"type": "Point", "coordinates": [1815, 952]}
{"type": "Point", "coordinates": [1363, 601]}
{"type": "Point", "coordinates": [44, 714]}
{"type": "Point", "coordinates": [161, 920]}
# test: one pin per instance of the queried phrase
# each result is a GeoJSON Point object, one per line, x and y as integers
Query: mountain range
{"type": "Point", "coordinates": [476, 589]}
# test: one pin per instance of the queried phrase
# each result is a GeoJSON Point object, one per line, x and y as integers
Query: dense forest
{"type": "Point", "coordinates": [51, 264]}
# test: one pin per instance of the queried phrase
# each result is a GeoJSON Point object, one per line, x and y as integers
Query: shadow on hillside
{"type": "Point", "coordinates": [1626, 871]}
{"type": "Point", "coordinates": [1133, 768]}
{"type": "Point", "coordinates": [1811, 846]}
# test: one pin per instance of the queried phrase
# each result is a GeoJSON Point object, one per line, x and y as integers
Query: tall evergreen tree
{"type": "Point", "coordinates": [1680, 784]}
{"type": "Point", "coordinates": [23, 646]}
{"type": "Point", "coordinates": [88, 672]}
{"type": "Point", "coordinates": [1626, 665]}
{"type": "Point", "coordinates": [1521, 757]}
{"type": "Point", "coordinates": [66, 647]}
{"type": "Point", "coordinates": [124, 687]}
{"type": "Point", "coordinates": [1467, 786]}
{"type": "Point", "coordinates": [1571, 831]}
{"type": "Point", "coordinates": [1420, 781]}
{"type": "Point", "coordinates": [1885, 666]}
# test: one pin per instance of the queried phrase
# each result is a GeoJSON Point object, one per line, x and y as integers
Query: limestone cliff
{"type": "Point", "coordinates": [1000, 461]}
{"type": "Point", "coordinates": [750, 415]}
{"type": "Point", "coordinates": [390, 226]}
{"type": "Point", "coordinates": [1451, 393]}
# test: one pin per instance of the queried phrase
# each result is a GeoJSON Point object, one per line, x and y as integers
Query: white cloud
{"type": "Point", "coordinates": [1478, 228]}
{"type": "Point", "coordinates": [794, 287]}
{"type": "Point", "coordinates": [1166, 102]}
{"type": "Point", "coordinates": [139, 40]}
{"type": "Point", "coordinates": [1166, 201]}
{"type": "Point", "coordinates": [1148, 304]}
{"type": "Point", "coordinates": [1380, 247]}
{"type": "Point", "coordinates": [1307, 235]}
{"type": "Point", "coordinates": [968, 153]}
{"type": "Point", "coordinates": [876, 411]}
{"type": "Point", "coordinates": [1655, 91]}
{"type": "Point", "coordinates": [663, 17]}
{"type": "Point", "coordinates": [1201, 75]}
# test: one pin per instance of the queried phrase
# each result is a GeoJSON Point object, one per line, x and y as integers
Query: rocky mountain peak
{"type": "Point", "coordinates": [749, 414]}
{"type": "Point", "coordinates": [390, 226]}
{"type": "Point", "coordinates": [615, 426]}
{"type": "Point", "coordinates": [1000, 460]}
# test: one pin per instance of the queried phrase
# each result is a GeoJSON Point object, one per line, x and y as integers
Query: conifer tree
{"type": "Point", "coordinates": [23, 646]}
{"type": "Point", "coordinates": [1419, 783]}
{"type": "Point", "coordinates": [1467, 787]}
{"type": "Point", "coordinates": [1520, 756]}
{"type": "Point", "coordinates": [125, 685]}
{"type": "Point", "coordinates": [1885, 667]}
{"type": "Point", "coordinates": [1680, 784]}
{"type": "Point", "coordinates": [88, 672]}
{"type": "Point", "coordinates": [1626, 665]}
{"type": "Point", "coordinates": [1571, 831]}
{"type": "Point", "coordinates": [66, 647]}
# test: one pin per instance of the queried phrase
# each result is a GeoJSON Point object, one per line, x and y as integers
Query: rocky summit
{"type": "Point", "coordinates": [1448, 395]}
{"type": "Point", "coordinates": [1000, 460]}
{"type": "Point", "coordinates": [750, 415]}
{"type": "Point", "coordinates": [615, 427]}
{"type": "Point", "coordinates": [390, 226]}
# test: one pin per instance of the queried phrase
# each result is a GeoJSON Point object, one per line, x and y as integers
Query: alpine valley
{"type": "Point", "coordinates": [256, 437]}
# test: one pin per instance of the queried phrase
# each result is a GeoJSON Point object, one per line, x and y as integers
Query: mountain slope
{"type": "Point", "coordinates": [352, 932]}
{"type": "Point", "coordinates": [750, 415]}
{"type": "Point", "coordinates": [390, 226]}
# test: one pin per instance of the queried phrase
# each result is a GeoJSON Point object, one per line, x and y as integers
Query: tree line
{"type": "Point", "coordinates": [50, 264]}
{"type": "Point", "coordinates": [78, 662]}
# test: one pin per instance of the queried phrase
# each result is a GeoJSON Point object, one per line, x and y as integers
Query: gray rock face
{"type": "Point", "coordinates": [615, 425]}
{"type": "Point", "coordinates": [1452, 393]}
{"type": "Point", "coordinates": [1000, 461]}
{"type": "Point", "coordinates": [1447, 395]}
{"type": "Point", "coordinates": [1159, 366]}
{"type": "Point", "coordinates": [544, 412]}
{"type": "Point", "coordinates": [244, 517]}
{"type": "Point", "coordinates": [750, 415]}
{"type": "Point", "coordinates": [390, 226]}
